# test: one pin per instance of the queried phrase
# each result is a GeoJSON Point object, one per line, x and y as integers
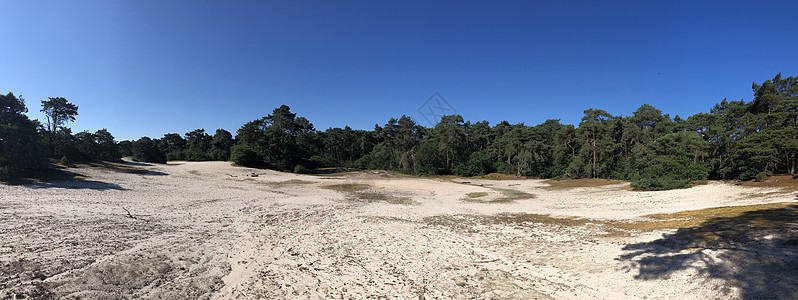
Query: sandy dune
{"type": "Point", "coordinates": [191, 230]}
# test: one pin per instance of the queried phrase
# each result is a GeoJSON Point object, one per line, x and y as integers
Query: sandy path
{"type": "Point", "coordinates": [208, 230]}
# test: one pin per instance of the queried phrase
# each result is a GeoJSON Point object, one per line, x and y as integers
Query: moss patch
{"type": "Point", "coordinates": [359, 192]}
{"type": "Point", "coordinates": [507, 196]}
{"type": "Point", "coordinates": [370, 197]}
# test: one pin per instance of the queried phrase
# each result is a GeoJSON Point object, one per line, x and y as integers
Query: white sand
{"type": "Point", "coordinates": [206, 230]}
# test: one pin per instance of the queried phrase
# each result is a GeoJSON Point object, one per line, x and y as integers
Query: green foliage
{"type": "Point", "coordinates": [317, 161]}
{"type": "Point", "coordinates": [428, 160]}
{"type": "Point", "coordinates": [64, 161]}
{"type": "Point", "coordinates": [146, 150]}
{"type": "Point", "coordinates": [197, 145]}
{"type": "Point", "coordinates": [479, 163]}
{"type": "Point", "coordinates": [284, 139]}
{"type": "Point", "coordinates": [735, 140]}
{"type": "Point", "coordinates": [219, 155]}
{"type": "Point", "coordinates": [243, 155]}
{"type": "Point", "coordinates": [300, 169]}
{"type": "Point", "coordinates": [97, 146]}
{"type": "Point", "coordinates": [19, 145]}
{"type": "Point", "coordinates": [174, 146]}
{"type": "Point", "coordinates": [221, 145]}
{"type": "Point", "coordinates": [125, 148]}
{"type": "Point", "coordinates": [58, 112]}
{"type": "Point", "coordinates": [672, 161]}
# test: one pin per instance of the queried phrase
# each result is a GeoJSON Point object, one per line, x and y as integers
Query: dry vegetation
{"type": "Point", "coordinates": [579, 183]}
{"type": "Point", "coordinates": [505, 196]}
{"type": "Point", "coordinates": [787, 183]}
{"type": "Point", "coordinates": [359, 192]}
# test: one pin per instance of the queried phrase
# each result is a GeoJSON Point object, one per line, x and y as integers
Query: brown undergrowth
{"type": "Point", "coordinates": [565, 184]}
{"type": "Point", "coordinates": [740, 219]}
{"type": "Point", "coordinates": [785, 182]}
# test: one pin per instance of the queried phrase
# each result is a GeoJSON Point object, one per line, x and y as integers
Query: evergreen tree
{"type": "Point", "coordinates": [19, 149]}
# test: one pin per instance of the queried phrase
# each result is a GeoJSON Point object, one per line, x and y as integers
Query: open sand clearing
{"type": "Point", "coordinates": [191, 230]}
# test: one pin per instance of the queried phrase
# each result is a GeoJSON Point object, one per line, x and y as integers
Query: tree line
{"type": "Point", "coordinates": [26, 144]}
{"type": "Point", "coordinates": [735, 140]}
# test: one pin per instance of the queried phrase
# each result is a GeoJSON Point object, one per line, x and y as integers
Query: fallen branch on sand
{"type": "Point", "coordinates": [485, 261]}
{"type": "Point", "coordinates": [129, 215]}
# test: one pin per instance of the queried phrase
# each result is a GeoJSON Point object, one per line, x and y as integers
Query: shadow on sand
{"type": "Point", "coordinates": [76, 184]}
{"type": "Point", "coordinates": [54, 177]}
{"type": "Point", "coordinates": [756, 252]}
{"type": "Point", "coordinates": [328, 171]}
{"type": "Point", "coordinates": [135, 163]}
{"type": "Point", "coordinates": [123, 166]}
{"type": "Point", "coordinates": [60, 178]}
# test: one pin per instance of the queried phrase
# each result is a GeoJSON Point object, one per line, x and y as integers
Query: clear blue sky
{"type": "Point", "coordinates": [151, 67]}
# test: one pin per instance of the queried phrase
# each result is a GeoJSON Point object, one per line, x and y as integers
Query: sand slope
{"type": "Point", "coordinates": [201, 230]}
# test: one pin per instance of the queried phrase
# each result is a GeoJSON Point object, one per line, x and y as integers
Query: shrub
{"type": "Point", "coordinates": [363, 162]}
{"type": "Point", "coordinates": [244, 156]}
{"type": "Point", "coordinates": [64, 161]}
{"type": "Point", "coordinates": [300, 169]}
{"type": "Point", "coordinates": [659, 184]}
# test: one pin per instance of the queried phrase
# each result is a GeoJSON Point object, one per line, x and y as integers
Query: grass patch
{"type": "Point", "coordinates": [359, 192]}
{"type": "Point", "coordinates": [296, 181]}
{"type": "Point", "coordinates": [705, 225]}
{"type": "Point", "coordinates": [476, 195]}
{"type": "Point", "coordinates": [519, 219]}
{"type": "Point", "coordinates": [370, 197]}
{"type": "Point", "coordinates": [387, 219]}
{"type": "Point", "coordinates": [455, 223]}
{"type": "Point", "coordinates": [346, 187]}
{"type": "Point", "coordinates": [499, 176]}
{"type": "Point", "coordinates": [507, 196]}
{"type": "Point", "coordinates": [287, 182]}
{"type": "Point", "coordinates": [761, 195]}
{"type": "Point", "coordinates": [730, 226]}
{"type": "Point", "coordinates": [693, 218]}
{"type": "Point", "coordinates": [566, 184]}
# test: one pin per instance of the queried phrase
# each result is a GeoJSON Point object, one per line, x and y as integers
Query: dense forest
{"type": "Point", "coordinates": [735, 140]}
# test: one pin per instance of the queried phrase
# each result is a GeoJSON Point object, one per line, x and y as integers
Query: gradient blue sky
{"type": "Point", "coordinates": [151, 67]}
